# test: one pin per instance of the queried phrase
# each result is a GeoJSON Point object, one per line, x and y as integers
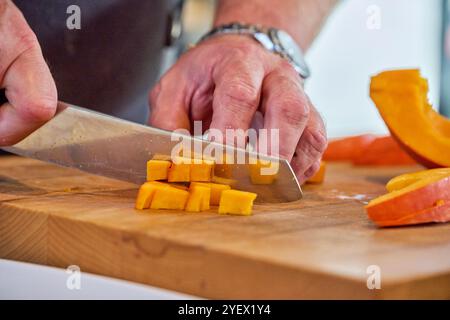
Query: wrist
{"type": "Point", "coordinates": [258, 13]}
{"type": "Point", "coordinates": [272, 40]}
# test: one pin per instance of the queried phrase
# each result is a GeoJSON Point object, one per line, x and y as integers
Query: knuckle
{"type": "Point", "coordinates": [294, 111]}
{"type": "Point", "coordinates": [243, 50]}
{"type": "Point", "coordinates": [312, 170]}
{"type": "Point", "coordinates": [241, 95]}
{"type": "Point", "coordinates": [27, 40]}
{"type": "Point", "coordinates": [317, 142]}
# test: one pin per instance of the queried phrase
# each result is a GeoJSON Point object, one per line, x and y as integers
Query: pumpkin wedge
{"type": "Point", "coordinates": [407, 179]}
{"type": "Point", "coordinates": [439, 213]}
{"type": "Point", "coordinates": [423, 201]}
{"type": "Point", "coordinates": [348, 148]}
{"type": "Point", "coordinates": [401, 99]}
{"type": "Point", "coordinates": [384, 151]}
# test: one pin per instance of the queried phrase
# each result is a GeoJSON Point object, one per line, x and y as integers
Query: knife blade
{"type": "Point", "coordinates": [104, 145]}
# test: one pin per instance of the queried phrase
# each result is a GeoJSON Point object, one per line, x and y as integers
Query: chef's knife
{"type": "Point", "coordinates": [108, 146]}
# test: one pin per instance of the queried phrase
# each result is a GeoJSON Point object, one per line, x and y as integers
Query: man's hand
{"type": "Point", "coordinates": [225, 80]}
{"type": "Point", "coordinates": [28, 84]}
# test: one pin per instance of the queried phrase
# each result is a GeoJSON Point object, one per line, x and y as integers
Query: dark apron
{"type": "Point", "coordinates": [112, 62]}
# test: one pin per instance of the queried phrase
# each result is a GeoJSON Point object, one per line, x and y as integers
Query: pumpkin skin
{"type": "Point", "coordinates": [348, 148]}
{"type": "Point", "coordinates": [368, 150]}
{"type": "Point", "coordinates": [401, 99]}
{"type": "Point", "coordinates": [384, 151]}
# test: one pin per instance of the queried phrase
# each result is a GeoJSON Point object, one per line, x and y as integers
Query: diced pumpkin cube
{"type": "Point", "coordinates": [202, 171]}
{"type": "Point", "coordinates": [263, 172]}
{"type": "Point", "coordinates": [180, 170]}
{"type": "Point", "coordinates": [146, 192]}
{"type": "Point", "coordinates": [216, 191]}
{"type": "Point", "coordinates": [157, 170]}
{"type": "Point", "coordinates": [236, 202]}
{"type": "Point", "coordinates": [169, 198]}
{"type": "Point", "coordinates": [198, 199]}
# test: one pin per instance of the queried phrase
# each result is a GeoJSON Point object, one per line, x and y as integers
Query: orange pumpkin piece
{"type": "Point", "coordinates": [216, 190]}
{"type": "Point", "coordinates": [157, 170]}
{"type": "Point", "coordinates": [383, 151]}
{"type": "Point", "coordinates": [319, 177]}
{"type": "Point", "coordinates": [180, 170]}
{"type": "Point", "coordinates": [236, 202]}
{"type": "Point", "coordinates": [401, 99]}
{"type": "Point", "coordinates": [145, 194]}
{"type": "Point", "coordinates": [263, 172]}
{"type": "Point", "coordinates": [347, 149]}
{"type": "Point", "coordinates": [199, 198]}
{"type": "Point", "coordinates": [407, 179]}
{"type": "Point", "coordinates": [421, 200]}
{"type": "Point", "coordinates": [439, 213]}
{"type": "Point", "coordinates": [169, 198]}
{"type": "Point", "coordinates": [202, 171]}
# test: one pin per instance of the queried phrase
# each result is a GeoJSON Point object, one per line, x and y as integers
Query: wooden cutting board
{"type": "Point", "coordinates": [319, 247]}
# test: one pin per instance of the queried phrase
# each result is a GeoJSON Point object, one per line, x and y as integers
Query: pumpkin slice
{"type": "Point", "coordinates": [439, 213]}
{"type": "Point", "coordinates": [407, 179]}
{"type": "Point", "coordinates": [236, 202]}
{"type": "Point", "coordinates": [414, 199]}
{"type": "Point", "coordinates": [348, 148]}
{"type": "Point", "coordinates": [216, 190]}
{"type": "Point", "coordinates": [401, 99]}
{"type": "Point", "coordinates": [384, 151]}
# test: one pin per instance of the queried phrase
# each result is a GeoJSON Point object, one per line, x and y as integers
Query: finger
{"type": "Point", "coordinates": [29, 86]}
{"type": "Point", "coordinates": [310, 172]}
{"type": "Point", "coordinates": [201, 105]}
{"type": "Point", "coordinates": [311, 146]}
{"type": "Point", "coordinates": [169, 102]}
{"type": "Point", "coordinates": [237, 94]}
{"type": "Point", "coordinates": [286, 109]}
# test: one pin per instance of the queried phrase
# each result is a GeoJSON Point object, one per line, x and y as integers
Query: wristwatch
{"type": "Point", "coordinates": [274, 40]}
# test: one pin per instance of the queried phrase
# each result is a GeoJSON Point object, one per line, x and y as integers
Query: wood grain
{"type": "Point", "coordinates": [319, 247]}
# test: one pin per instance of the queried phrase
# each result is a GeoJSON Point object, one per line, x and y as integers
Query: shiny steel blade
{"type": "Point", "coordinates": [108, 146]}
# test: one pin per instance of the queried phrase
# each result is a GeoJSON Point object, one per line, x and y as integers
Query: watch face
{"type": "Point", "coordinates": [293, 50]}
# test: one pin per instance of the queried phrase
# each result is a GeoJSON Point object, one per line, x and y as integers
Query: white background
{"type": "Point", "coordinates": [347, 53]}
